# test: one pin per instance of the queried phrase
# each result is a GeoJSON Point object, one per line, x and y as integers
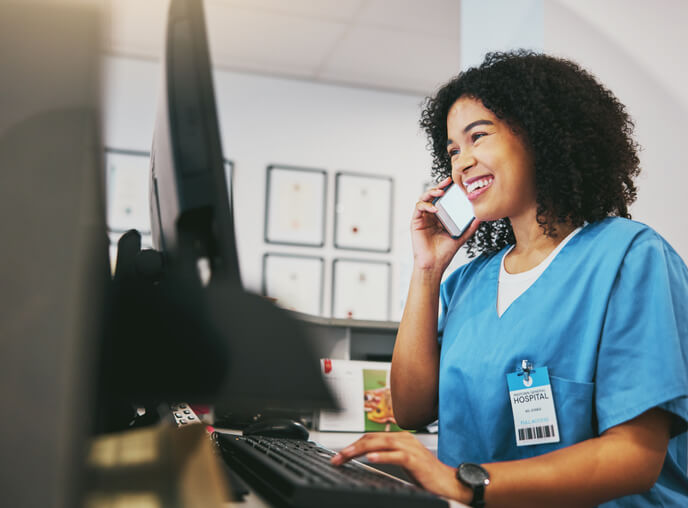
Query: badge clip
{"type": "Point", "coordinates": [526, 369]}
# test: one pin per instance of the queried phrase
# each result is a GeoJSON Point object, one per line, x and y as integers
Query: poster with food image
{"type": "Point", "coordinates": [377, 402]}
{"type": "Point", "coordinates": [363, 395]}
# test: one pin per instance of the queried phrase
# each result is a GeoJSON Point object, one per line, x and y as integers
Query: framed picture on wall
{"type": "Point", "coordinates": [295, 206]}
{"type": "Point", "coordinates": [360, 289]}
{"type": "Point", "coordinates": [126, 176]}
{"type": "Point", "coordinates": [363, 212]}
{"type": "Point", "coordinates": [296, 282]}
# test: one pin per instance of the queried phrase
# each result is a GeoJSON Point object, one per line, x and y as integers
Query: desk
{"type": "Point", "coordinates": [334, 441]}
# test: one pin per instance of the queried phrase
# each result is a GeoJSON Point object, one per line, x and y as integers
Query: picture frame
{"type": "Point", "coordinates": [363, 212]}
{"type": "Point", "coordinates": [295, 281]}
{"type": "Point", "coordinates": [126, 175]}
{"type": "Point", "coordinates": [361, 289]}
{"type": "Point", "coordinates": [295, 206]}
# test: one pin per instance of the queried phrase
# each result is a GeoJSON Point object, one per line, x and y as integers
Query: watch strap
{"type": "Point", "coordinates": [478, 496]}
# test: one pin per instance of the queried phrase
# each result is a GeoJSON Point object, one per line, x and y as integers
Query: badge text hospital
{"type": "Point", "coordinates": [535, 419]}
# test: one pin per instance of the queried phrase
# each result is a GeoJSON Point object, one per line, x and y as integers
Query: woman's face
{"type": "Point", "coordinates": [490, 162]}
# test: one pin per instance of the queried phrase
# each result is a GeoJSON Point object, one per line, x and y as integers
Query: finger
{"type": "Point", "coordinates": [369, 443]}
{"type": "Point", "coordinates": [420, 211]}
{"type": "Point", "coordinates": [352, 451]}
{"type": "Point", "coordinates": [397, 457]}
{"type": "Point", "coordinates": [430, 194]}
{"type": "Point", "coordinates": [444, 182]}
{"type": "Point", "coordinates": [436, 191]}
{"type": "Point", "coordinates": [424, 206]}
{"type": "Point", "coordinates": [377, 441]}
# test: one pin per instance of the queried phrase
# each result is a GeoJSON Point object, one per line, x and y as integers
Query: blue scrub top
{"type": "Point", "coordinates": [608, 317]}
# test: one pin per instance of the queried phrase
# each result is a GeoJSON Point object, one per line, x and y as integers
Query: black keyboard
{"type": "Point", "coordinates": [299, 474]}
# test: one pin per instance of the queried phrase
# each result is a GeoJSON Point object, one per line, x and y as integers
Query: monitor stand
{"type": "Point", "coordinates": [162, 345]}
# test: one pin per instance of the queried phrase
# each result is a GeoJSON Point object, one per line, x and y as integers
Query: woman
{"type": "Point", "coordinates": [563, 280]}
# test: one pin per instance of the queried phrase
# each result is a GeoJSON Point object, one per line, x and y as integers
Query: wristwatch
{"type": "Point", "coordinates": [476, 478]}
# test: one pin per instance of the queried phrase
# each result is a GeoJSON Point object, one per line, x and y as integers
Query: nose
{"type": "Point", "coordinates": [463, 163]}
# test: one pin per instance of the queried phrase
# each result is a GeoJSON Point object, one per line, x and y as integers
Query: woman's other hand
{"type": "Point", "coordinates": [403, 449]}
{"type": "Point", "coordinates": [433, 248]}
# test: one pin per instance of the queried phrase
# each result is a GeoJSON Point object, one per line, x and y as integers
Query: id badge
{"type": "Point", "coordinates": [530, 393]}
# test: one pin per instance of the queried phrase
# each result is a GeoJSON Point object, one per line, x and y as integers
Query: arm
{"type": "Point", "coordinates": [415, 361]}
{"type": "Point", "coordinates": [626, 459]}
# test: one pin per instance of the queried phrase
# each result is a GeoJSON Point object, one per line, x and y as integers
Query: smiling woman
{"type": "Point", "coordinates": [579, 135]}
{"type": "Point", "coordinates": [535, 368]}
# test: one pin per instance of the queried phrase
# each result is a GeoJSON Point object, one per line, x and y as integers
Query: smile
{"type": "Point", "coordinates": [476, 187]}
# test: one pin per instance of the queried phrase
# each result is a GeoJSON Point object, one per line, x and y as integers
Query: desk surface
{"type": "Point", "coordinates": [334, 441]}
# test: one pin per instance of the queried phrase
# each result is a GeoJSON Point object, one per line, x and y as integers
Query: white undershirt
{"type": "Point", "coordinates": [513, 285]}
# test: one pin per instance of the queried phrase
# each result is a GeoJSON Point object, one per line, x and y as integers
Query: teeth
{"type": "Point", "coordinates": [478, 184]}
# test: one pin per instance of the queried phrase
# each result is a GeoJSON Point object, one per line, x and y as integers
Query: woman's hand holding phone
{"type": "Point", "coordinates": [433, 247]}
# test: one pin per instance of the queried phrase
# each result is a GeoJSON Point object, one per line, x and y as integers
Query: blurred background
{"type": "Point", "coordinates": [337, 85]}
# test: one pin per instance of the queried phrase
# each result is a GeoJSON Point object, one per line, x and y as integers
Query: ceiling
{"type": "Point", "coordinates": [408, 46]}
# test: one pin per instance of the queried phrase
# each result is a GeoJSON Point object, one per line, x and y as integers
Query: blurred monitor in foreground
{"type": "Point", "coordinates": [54, 271]}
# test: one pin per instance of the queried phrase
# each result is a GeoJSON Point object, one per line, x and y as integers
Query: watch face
{"type": "Point", "coordinates": [473, 474]}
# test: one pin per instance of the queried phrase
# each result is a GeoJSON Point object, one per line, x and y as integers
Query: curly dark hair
{"type": "Point", "coordinates": [580, 136]}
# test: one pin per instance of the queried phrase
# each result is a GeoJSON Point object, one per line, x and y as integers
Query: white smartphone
{"type": "Point", "coordinates": [455, 211]}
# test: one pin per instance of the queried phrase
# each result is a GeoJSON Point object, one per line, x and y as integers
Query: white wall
{"type": "Point", "coordinates": [499, 25]}
{"type": "Point", "coordinates": [637, 49]}
{"type": "Point", "coordinates": [634, 47]}
{"type": "Point", "coordinates": [266, 121]}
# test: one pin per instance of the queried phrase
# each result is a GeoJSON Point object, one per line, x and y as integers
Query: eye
{"type": "Point", "coordinates": [453, 151]}
{"type": "Point", "coordinates": [477, 135]}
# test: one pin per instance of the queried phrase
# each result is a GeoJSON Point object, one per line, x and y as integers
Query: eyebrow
{"type": "Point", "coordinates": [477, 122]}
{"type": "Point", "coordinates": [470, 126]}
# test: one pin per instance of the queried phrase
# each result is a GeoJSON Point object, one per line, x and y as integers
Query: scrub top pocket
{"type": "Point", "coordinates": [573, 401]}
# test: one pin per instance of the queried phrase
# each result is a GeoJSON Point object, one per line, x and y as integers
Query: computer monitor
{"type": "Point", "coordinates": [54, 271]}
{"type": "Point", "coordinates": [191, 216]}
{"type": "Point", "coordinates": [270, 359]}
